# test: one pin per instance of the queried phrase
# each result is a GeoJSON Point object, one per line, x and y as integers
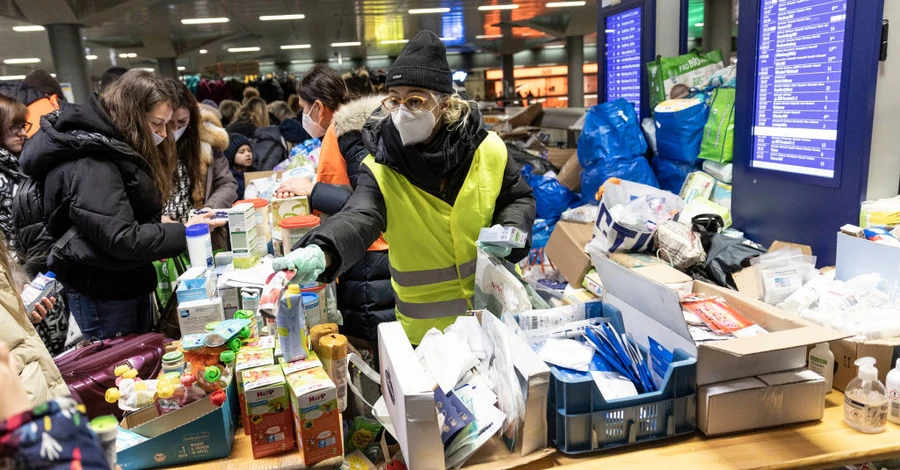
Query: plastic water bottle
{"type": "Point", "coordinates": [821, 361]}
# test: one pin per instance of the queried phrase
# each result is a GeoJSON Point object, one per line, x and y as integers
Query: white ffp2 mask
{"type": "Point", "coordinates": [179, 133]}
{"type": "Point", "coordinates": [414, 127]}
{"type": "Point", "coordinates": [313, 128]}
{"type": "Point", "coordinates": [157, 139]}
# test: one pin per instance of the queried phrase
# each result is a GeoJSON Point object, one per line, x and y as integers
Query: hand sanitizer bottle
{"type": "Point", "coordinates": [865, 404]}
{"type": "Point", "coordinates": [893, 393]}
{"type": "Point", "coordinates": [821, 361]}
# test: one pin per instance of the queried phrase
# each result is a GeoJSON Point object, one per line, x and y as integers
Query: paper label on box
{"type": "Point", "coordinates": [262, 342]}
{"type": "Point", "coordinates": [311, 361]}
{"type": "Point", "coordinates": [251, 358]}
{"type": "Point", "coordinates": [261, 377]}
{"type": "Point", "coordinates": [316, 415]}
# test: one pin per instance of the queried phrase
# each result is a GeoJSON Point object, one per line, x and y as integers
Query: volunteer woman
{"type": "Point", "coordinates": [364, 293]}
{"type": "Point", "coordinates": [434, 178]}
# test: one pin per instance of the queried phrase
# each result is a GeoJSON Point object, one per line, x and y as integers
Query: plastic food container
{"type": "Point", "coordinates": [264, 225]}
{"type": "Point", "coordinates": [294, 228]}
{"type": "Point", "coordinates": [173, 362]}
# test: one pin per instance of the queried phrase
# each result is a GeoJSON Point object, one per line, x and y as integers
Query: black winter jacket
{"type": "Point", "coordinates": [365, 295]}
{"type": "Point", "coordinates": [103, 188]}
{"type": "Point", "coordinates": [347, 235]}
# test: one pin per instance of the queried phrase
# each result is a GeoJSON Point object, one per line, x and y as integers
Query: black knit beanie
{"type": "Point", "coordinates": [422, 64]}
{"type": "Point", "coordinates": [235, 141]}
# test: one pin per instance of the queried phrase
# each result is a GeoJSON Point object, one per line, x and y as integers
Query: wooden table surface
{"type": "Point", "coordinates": [825, 444]}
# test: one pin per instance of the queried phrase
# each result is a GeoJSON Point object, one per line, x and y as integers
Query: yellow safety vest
{"type": "Point", "coordinates": [433, 251]}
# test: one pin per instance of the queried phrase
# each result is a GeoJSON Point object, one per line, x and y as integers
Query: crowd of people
{"type": "Point", "coordinates": [98, 191]}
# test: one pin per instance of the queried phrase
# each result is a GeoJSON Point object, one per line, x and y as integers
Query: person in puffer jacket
{"type": "Point", "coordinates": [365, 295]}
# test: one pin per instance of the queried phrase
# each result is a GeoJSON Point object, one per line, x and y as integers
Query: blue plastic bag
{"type": "Point", "coordinates": [540, 233]}
{"type": "Point", "coordinates": [672, 173]}
{"type": "Point", "coordinates": [551, 196]}
{"type": "Point", "coordinates": [612, 145]}
{"type": "Point", "coordinates": [679, 132]}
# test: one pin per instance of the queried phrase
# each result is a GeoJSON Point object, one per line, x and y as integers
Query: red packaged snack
{"type": "Point", "coordinates": [717, 315]}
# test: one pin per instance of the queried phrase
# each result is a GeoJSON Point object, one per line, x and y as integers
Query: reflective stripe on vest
{"type": "Point", "coordinates": [433, 253]}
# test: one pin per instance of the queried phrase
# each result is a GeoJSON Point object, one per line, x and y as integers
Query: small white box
{"type": "Point", "coordinates": [231, 300]}
{"type": "Point", "coordinates": [503, 236]}
{"type": "Point", "coordinates": [193, 316]}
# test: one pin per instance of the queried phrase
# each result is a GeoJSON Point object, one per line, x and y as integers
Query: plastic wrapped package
{"type": "Point", "coordinates": [880, 213]}
{"type": "Point", "coordinates": [586, 214]}
{"type": "Point", "coordinates": [720, 171]}
{"type": "Point", "coordinates": [697, 184]}
{"type": "Point", "coordinates": [629, 215]}
{"type": "Point", "coordinates": [783, 272]}
{"type": "Point", "coordinates": [648, 125]}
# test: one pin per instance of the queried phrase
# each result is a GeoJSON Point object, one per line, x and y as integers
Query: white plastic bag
{"type": "Point", "coordinates": [629, 215]}
{"type": "Point", "coordinates": [496, 288]}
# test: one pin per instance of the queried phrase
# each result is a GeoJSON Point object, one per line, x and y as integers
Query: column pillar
{"type": "Point", "coordinates": [167, 67]}
{"type": "Point", "coordinates": [575, 60]}
{"type": "Point", "coordinates": [67, 50]}
{"type": "Point", "coordinates": [509, 81]}
{"type": "Point", "coordinates": [717, 24]}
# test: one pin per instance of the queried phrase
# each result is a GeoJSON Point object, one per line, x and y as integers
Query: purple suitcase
{"type": "Point", "coordinates": [88, 371]}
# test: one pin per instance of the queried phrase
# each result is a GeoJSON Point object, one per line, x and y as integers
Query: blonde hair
{"type": "Point", "coordinates": [457, 111]}
{"type": "Point", "coordinates": [255, 111]}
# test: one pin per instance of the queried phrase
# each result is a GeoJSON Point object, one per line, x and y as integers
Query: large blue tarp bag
{"type": "Point", "coordinates": [672, 173]}
{"type": "Point", "coordinates": [612, 145]}
{"type": "Point", "coordinates": [551, 196]}
{"type": "Point", "coordinates": [679, 128]}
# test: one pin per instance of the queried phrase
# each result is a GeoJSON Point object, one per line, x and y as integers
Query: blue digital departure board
{"type": "Point", "coordinates": [623, 56]}
{"type": "Point", "coordinates": [798, 86]}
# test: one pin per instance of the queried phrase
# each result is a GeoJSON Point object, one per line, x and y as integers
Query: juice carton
{"type": "Point", "coordinates": [317, 419]}
{"type": "Point", "coordinates": [281, 208]}
{"type": "Point", "coordinates": [249, 358]}
{"type": "Point", "coordinates": [268, 410]}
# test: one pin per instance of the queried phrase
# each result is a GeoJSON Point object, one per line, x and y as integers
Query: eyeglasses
{"type": "Point", "coordinates": [413, 103]}
{"type": "Point", "coordinates": [16, 128]}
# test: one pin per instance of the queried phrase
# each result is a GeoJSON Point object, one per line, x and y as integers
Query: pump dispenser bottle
{"type": "Point", "coordinates": [865, 402]}
{"type": "Point", "coordinates": [893, 393]}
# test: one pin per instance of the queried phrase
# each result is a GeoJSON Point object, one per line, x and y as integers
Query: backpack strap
{"type": "Point", "coordinates": [66, 238]}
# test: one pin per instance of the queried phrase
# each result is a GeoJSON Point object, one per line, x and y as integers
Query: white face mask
{"type": "Point", "coordinates": [179, 133]}
{"type": "Point", "coordinates": [414, 127]}
{"type": "Point", "coordinates": [157, 139]}
{"type": "Point", "coordinates": [313, 128]}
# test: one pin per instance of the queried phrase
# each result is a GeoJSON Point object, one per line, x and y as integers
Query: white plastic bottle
{"type": "Point", "coordinates": [199, 245]}
{"type": "Point", "coordinates": [893, 393]}
{"type": "Point", "coordinates": [821, 361]}
{"type": "Point", "coordinates": [865, 404]}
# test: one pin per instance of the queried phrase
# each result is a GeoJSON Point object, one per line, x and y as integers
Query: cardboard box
{"type": "Point", "coordinates": [760, 402]}
{"type": "Point", "coordinates": [559, 157]}
{"type": "Point", "coordinates": [242, 228]}
{"type": "Point", "coordinates": [855, 257]}
{"type": "Point", "coordinates": [570, 174]}
{"type": "Point", "coordinates": [317, 417]}
{"type": "Point", "coordinates": [565, 249]}
{"type": "Point", "coordinates": [269, 411]}
{"type": "Point", "coordinates": [410, 402]}
{"type": "Point", "coordinates": [231, 300]}
{"type": "Point", "coordinates": [195, 289]}
{"type": "Point", "coordinates": [784, 348]}
{"type": "Point", "coordinates": [193, 316]}
{"type": "Point", "coordinates": [200, 431]}
{"type": "Point", "coordinates": [258, 175]}
{"type": "Point", "coordinates": [667, 276]}
{"type": "Point", "coordinates": [281, 208]}
{"type": "Point", "coordinates": [254, 355]}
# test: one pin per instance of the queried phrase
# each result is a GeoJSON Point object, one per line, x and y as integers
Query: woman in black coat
{"type": "Point", "coordinates": [107, 169]}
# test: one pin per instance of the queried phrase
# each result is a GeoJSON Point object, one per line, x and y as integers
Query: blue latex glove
{"type": "Point", "coordinates": [494, 250]}
{"type": "Point", "coordinates": [309, 262]}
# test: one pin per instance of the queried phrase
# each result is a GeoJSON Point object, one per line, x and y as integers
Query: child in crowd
{"type": "Point", "coordinates": [52, 435]}
{"type": "Point", "coordinates": [240, 157]}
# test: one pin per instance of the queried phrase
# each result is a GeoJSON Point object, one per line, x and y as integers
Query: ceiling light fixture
{"type": "Point", "coordinates": [127, 55]}
{"type": "Point", "coordinates": [149, 69]}
{"type": "Point", "coordinates": [425, 11]}
{"type": "Point", "coordinates": [554, 46]}
{"type": "Point", "coordinates": [394, 41]}
{"type": "Point", "coordinates": [205, 20]}
{"type": "Point", "coordinates": [26, 60]}
{"type": "Point", "coordinates": [497, 7]}
{"type": "Point", "coordinates": [181, 68]}
{"type": "Point", "coordinates": [244, 49]}
{"type": "Point", "coordinates": [377, 57]}
{"type": "Point", "coordinates": [28, 29]}
{"type": "Point", "coordinates": [302, 61]}
{"type": "Point", "coordinates": [295, 46]}
{"type": "Point", "coordinates": [489, 36]}
{"type": "Point", "coordinates": [698, 25]}
{"type": "Point", "coordinates": [281, 17]}
{"type": "Point", "coordinates": [203, 51]}
{"type": "Point", "coordinates": [91, 57]}
{"type": "Point", "coordinates": [565, 4]}
{"type": "Point", "coordinates": [12, 77]}
{"type": "Point", "coordinates": [53, 75]}
{"type": "Point", "coordinates": [346, 44]}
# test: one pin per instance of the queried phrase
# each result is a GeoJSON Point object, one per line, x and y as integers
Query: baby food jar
{"type": "Point", "coordinates": [295, 228]}
{"type": "Point", "coordinates": [173, 362]}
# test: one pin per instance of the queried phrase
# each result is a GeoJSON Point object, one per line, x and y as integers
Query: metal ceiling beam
{"type": "Point", "coordinates": [48, 12]}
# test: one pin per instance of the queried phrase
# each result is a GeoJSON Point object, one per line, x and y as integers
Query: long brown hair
{"type": "Point", "coordinates": [188, 146]}
{"type": "Point", "coordinates": [255, 111]}
{"type": "Point", "coordinates": [12, 112]}
{"type": "Point", "coordinates": [127, 101]}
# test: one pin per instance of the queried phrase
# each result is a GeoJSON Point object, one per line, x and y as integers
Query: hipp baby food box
{"type": "Point", "coordinates": [249, 358]}
{"type": "Point", "coordinates": [317, 419]}
{"type": "Point", "coordinates": [268, 411]}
